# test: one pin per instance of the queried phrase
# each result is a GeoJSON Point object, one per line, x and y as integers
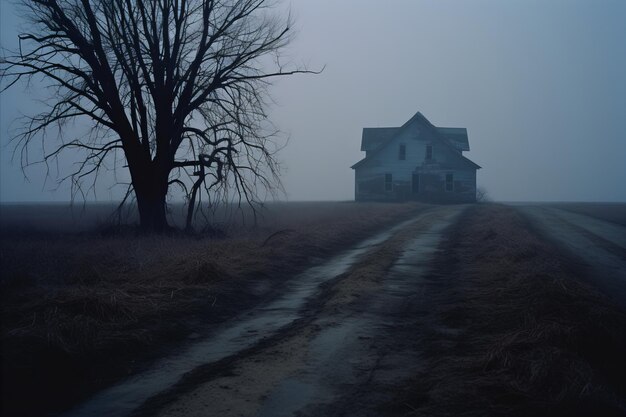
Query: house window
{"type": "Point", "coordinates": [388, 182]}
{"type": "Point", "coordinates": [429, 152]}
{"type": "Point", "coordinates": [402, 154]}
{"type": "Point", "coordinates": [449, 182]}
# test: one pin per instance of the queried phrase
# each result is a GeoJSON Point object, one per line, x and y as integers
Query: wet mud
{"type": "Point", "coordinates": [351, 351]}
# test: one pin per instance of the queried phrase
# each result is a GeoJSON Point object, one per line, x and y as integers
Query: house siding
{"type": "Point", "coordinates": [370, 176]}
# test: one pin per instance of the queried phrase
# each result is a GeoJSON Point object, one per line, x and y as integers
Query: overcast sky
{"type": "Point", "coordinates": [539, 85]}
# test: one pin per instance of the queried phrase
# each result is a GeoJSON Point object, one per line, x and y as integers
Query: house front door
{"type": "Point", "coordinates": [415, 183]}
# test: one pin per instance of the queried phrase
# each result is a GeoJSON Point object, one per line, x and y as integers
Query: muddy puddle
{"type": "Point", "coordinates": [234, 336]}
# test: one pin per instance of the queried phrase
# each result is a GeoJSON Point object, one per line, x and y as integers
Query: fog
{"type": "Point", "coordinates": [540, 87]}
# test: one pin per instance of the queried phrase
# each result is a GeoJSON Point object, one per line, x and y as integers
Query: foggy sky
{"type": "Point", "coordinates": [539, 85]}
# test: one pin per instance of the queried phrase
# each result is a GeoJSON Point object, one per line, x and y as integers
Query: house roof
{"type": "Point", "coordinates": [456, 135]}
{"type": "Point", "coordinates": [375, 139]}
{"type": "Point", "coordinates": [463, 159]}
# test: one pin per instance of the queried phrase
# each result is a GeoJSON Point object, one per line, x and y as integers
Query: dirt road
{"type": "Point", "coordinates": [599, 245]}
{"type": "Point", "coordinates": [332, 362]}
{"type": "Point", "coordinates": [316, 347]}
{"type": "Point", "coordinates": [341, 339]}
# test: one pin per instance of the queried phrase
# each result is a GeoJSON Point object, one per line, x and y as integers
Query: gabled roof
{"type": "Point", "coordinates": [456, 135]}
{"type": "Point", "coordinates": [463, 159]}
{"type": "Point", "coordinates": [377, 138]}
{"type": "Point", "coordinates": [373, 137]}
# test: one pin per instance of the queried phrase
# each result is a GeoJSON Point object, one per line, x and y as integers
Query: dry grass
{"type": "Point", "coordinates": [79, 311]}
{"type": "Point", "coordinates": [513, 331]}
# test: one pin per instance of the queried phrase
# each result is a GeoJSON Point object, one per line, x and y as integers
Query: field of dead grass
{"type": "Point", "coordinates": [512, 331]}
{"type": "Point", "coordinates": [79, 311]}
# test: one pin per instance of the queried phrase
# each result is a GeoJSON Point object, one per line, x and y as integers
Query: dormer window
{"type": "Point", "coordinates": [429, 152]}
{"type": "Point", "coordinates": [402, 152]}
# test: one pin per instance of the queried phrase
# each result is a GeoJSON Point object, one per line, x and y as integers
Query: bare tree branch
{"type": "Point", "coordinates": [179, 87]}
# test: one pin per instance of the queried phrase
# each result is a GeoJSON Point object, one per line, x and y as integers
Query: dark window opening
{"type": "Point", "coordinates": [449, 182]}
{"type": "Point", "coordinates": [402, 155]}
{"type": "Point", "coordinates": [429, 152]}
{"type": "Point", "coordinates": [388, 182]}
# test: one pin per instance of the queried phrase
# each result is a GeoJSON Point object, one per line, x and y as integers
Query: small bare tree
{"type": "Point", "coordinates": [482, 196]}
{"type": "Point", "coordinates": [178, 87]}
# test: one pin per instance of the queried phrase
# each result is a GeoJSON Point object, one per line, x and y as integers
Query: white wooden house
{"type": "Point", "coordinates": [417, 161]}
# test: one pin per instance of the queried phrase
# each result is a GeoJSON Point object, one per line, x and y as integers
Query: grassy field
{"type": "Point", "coordinates": [512, 330]}
{"type": "Point", "coordinates": [82, 310]}
{"type": "Point", "coordinates": [506, 324]}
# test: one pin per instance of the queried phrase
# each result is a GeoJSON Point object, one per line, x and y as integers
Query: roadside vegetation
{"type": "Point", "coordinates": [514, 330]}
{"type": "Point", "coordinates": [81, 311]}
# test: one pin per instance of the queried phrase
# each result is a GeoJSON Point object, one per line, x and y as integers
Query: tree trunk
{"type": "Point", "coordinates": [151, 204]}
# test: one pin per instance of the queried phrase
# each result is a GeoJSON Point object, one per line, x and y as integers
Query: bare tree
{"type": "Point", "coordinates": [178, 87]}
{"type": "Point", "coordinates": [482, 196]}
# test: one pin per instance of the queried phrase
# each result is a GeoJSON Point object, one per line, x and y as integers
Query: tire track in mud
{"type": "Point", "coordinates": [601, 246]}
{"type": "Point", "coordinates": [576, 222]}
{"type": "Point", "coordinates": [260, 328]}
{"type": "Point", "coordinates": [341, 351]}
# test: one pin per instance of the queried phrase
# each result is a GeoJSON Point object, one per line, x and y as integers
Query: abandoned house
{"type": "Point", "coordinates": [417, 161]}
